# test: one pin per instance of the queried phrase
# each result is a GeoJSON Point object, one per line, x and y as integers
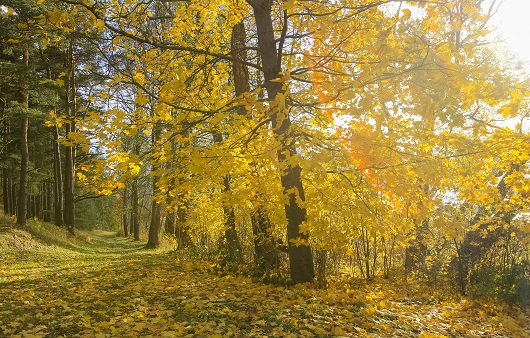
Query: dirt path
{"type": "Point", "coordinates": [110, 287]}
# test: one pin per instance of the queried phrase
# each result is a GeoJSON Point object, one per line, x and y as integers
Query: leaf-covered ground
{"type": "Point", "coordinates": [107, 286]}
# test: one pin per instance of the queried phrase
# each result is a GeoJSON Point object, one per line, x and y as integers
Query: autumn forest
{"type": "Point", "coordinates": [255, 168]}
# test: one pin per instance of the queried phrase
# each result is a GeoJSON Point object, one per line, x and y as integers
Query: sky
{"type": "Point", "coordinates": [512, 22]}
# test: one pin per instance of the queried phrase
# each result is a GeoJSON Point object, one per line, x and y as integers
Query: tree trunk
{"type": "Point", "coordinates": [169, 224]}
{"type": "Point", "coordinates": [69, 168]}
{"type": "Point", "coordinates": [182, 231]}
{"type": "Point", "coordinates": [153, 240]}
{"type": "Point", "coordinates": [69, 205]}
{"type": "Point", "coordinates": [7, 199]}
{"type": "Point", "coordinates": [125, 211]}
{"type": "Point", "coordinates": [14, 201]}
{"type": "Point", "coordinates": [6, 174]}
{"type": "Point", "coordinates": [48, 204]}
{"type": "Point", "coordinates": [135, 211]}
{"type": "Point", "coordinates": [24, 153]}
{"type": "Point", "coordinates": [266, 251]}
{"type": "Point", "coordinates": [231, 247]}
{"type": "Point", "coordinates": [57, 179]}
{"type": "Point", "coordinates": [300, 256]}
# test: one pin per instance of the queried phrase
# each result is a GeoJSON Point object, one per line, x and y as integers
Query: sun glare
{"type": "Point", "coordinates": [513, 27]}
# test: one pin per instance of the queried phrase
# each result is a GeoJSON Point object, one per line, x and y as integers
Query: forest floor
{"type": "Point", "coordinates": [103, 285]}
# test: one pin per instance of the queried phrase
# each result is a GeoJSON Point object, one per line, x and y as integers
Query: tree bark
{"type": "Point", "coordinates": [6, 174]}
{"type": "Point", "coordinates": [5, 186]}
{"type": "Point", "coordinates": [231, 253]}
{"type": "Point", "coordinates": [169, 224]}
{"type": "Point", "coordinates": [24, 153]}
{"type": "Point", "coordinates": [135, 210]}
{"type": "Point", "coordinates": [135, 213]}
{"type": "Point", "coordinates": [48, 204]}
{"type": "Point", "coordinates": [153, 240]}
{"type": "Point", "coordinates": [266, 251]}
{"type": "Point", "coordinates": [69, 168]}
{"type": "Point", "coordinates": [57, 179]}
{"type": "Point", "coordinates": [300, 256]}
{"type": "Point", "coordinates": [125, 210]}
{"type": "Point", "coordinates": [182, 231]}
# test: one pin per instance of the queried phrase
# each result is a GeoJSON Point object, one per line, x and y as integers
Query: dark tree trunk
{"type": "Point", "coordinates": [7, 195]}
{"type": "Point", "coordinates": [266, 251]}
{"type": "Point", "coordinates": [125, 211]}
{"type": "Point", "coordinates": [14, 201]}
{"type": "Point", "coordinates": [231, 253]}
{"type": "Point", "coordinates": [230, 247]}
{"type": "Point", "coordinates": [69, 205]}
{"type": "Point", "coordinates": [153, 240]}
{"type": "Point", "coordinates": [31, 207]}
{"type": "Point", "coordinates": [69, 167]}
{"type": "Point", "coordinates": [238, 51]}
{"type": "Point", "coordinates": [169, 224]}
{"type": "Point", "coordinates": [135, 212]}
{"type": "Point", "coordinates": [300, 255]}
{"type": "Point", "coordinates": [48, 204]}
{"type": "Point", "coordinates": [57, 165]}
{"type": "Point", "coordinates": [6, 173]}
{"type": "Point", "coordinates": [182, 231]}
{"type": "Point", "coordinates": [24, 153]}
{"type": "Point", "coordinates": [57, 179]}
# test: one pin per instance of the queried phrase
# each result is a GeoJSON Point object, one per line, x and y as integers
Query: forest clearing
{"type": "Point", "coordinates": [109, 286]}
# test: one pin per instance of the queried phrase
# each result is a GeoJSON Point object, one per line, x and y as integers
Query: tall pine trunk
{"type": "Point", "coordinates": [24, 153]}
{"type": "Point", "coordinates": [69, 166]}
{"type": "Point", "coordinates": [57, 169]}
{"type": "Point", "coordinates": [6, 182]}
{"type": "Point", "coordinates": [6, 173]}
{"type": "Point", "coordinates": [57, 179]}
{"type": "Point", "coordinates": [48, 203]}
{"type": "Point", "coordinates": [300, 256]}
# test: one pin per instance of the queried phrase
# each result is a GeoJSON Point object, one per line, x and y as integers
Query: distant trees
{"type": "Point", "coordinates": [40, 61]}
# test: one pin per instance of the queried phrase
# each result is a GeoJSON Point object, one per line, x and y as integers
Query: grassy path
{"type": "Point", "coordinates": [110, 287]}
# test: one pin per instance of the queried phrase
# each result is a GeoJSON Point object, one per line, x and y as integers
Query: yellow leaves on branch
{"type": "Point", "coordinates": [403, 96]}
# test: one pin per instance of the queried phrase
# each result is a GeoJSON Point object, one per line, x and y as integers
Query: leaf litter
{"type": "Point", "coordinates": [113, 288]}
